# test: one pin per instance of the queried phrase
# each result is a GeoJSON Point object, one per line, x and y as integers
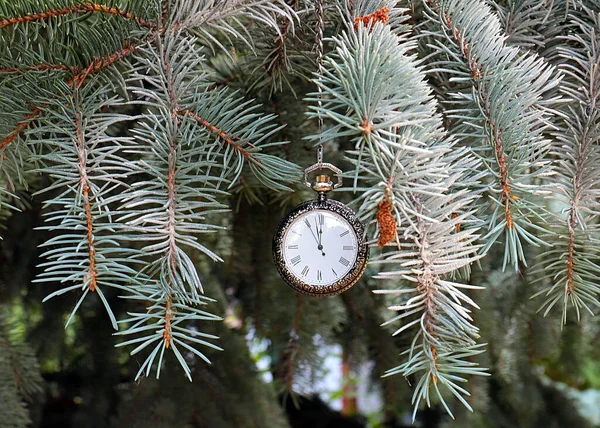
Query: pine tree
{"type": "Point", "coordinates": [163, 140]}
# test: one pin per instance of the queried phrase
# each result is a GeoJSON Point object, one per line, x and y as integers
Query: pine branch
{"type": "Point", "coordinates": [85, 254]}
{"type": "Point", "coordinates": [193, 141]}
{"type": "Point", "coordinates": [499, 101]}
{"type": "Point", "coordinates": [573, 265]}
{"type": "Point", "coordinates": [69, 8]}
{"type": "Point", "coordinates": [167, 206]}
{"type": "Point", "coordinates": [204, 18]}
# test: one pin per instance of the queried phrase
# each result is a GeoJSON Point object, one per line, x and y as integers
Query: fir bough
{"type": "Point", "coordinates": [126, 211]}
{"type": "Point", "coordinates": [497, 100]}
{"type": "Point", "coordinates": [572, 267]}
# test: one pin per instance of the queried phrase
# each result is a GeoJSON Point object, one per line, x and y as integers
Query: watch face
{"type": "Point", "coordinates": [319, 248]}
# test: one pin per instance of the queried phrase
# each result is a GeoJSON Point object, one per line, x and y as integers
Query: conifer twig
{"type": "Point", "coordinates": [467, 50]}
{"type": "Point", "coordinates": [21, 126]}
{"type": "Point", "coordinates": [85, 7]}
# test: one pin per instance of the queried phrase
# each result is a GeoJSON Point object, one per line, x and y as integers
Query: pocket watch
{"type": "Point", "coordinates": [319, 247]}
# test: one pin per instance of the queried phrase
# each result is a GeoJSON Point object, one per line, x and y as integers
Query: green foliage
{"type": "Point", "coordinates": [572, 267]}
{"type": "Point", "coordinates": [19, 374]}
{"type": "Point", "coordinates": [153, 136]}
{"type": "Point", "coordinates": [125, 211]}
{"type": "Point", "coordinates": [86, 170]}
{"type": "Point", "coordinates": [481, 83]}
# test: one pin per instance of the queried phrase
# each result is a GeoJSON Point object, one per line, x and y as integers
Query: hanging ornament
{"type": "Point", "coordinates": [319, 248]}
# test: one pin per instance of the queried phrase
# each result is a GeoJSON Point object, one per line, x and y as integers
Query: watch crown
{"type": "Point", "coordinates": [322, 184]}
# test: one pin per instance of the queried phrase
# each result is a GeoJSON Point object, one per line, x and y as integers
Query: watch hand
{"type": "Point", "coordinates": [319, 231]}
{"type": "Point", "coordinates": [321, 236]}
{"type": "Point", "coordinates": [311, 231]}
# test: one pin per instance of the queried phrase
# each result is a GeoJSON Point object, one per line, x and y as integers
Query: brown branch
{"type": "Point", "coordinates": [426, 284]}
{"type": "Point", "coordinates": [171, 215]}
{"type": "Point", "coordinates": [232, 141]}
{"type": "Point", "coordinates": [507, 196]}
{"type": "Point", "coordinates": [572, 217]}
{"type": "Point", "coordinates": [85, 182]}
{"type": "Point", "coordinates": [21, 126]}
{"type": "Point", "coordinates": [426, 287]}
{"type": "Point", "coordinates": [167, 333]}
{"type": "Point", "coordinates": [586, 140]}
{"type": "Point", "coordinates": [93, 273]}
{"type": "Point", "coordinates": [76, 8]}
{"type": "Point", "coordinates": [571, 252]}
{"type": "Point", "coordinates": [98, 64]}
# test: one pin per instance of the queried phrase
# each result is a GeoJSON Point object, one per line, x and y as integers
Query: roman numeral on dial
{"type": "Point", "coordinates": [344, 233]}
{"type": "Point", "coordinates": [296, 260]}
{"type": "Point", "coordinates": [321, 219]}
{"type": "Point", "coordinates": [348, 248]}
{"type": "Point", "coordinates": [292, 247]}
{"type": "Point", "coordinates": [344, 261]}
{"type": "Point", "coordinates": [305, 270]}
{"type": "Point", "coordinates": [319, 276]}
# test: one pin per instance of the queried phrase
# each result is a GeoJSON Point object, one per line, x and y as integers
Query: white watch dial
{"type": "Point", "coordinates": [320, 247]}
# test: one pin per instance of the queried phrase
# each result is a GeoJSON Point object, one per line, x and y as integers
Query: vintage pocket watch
{"type": "Point", "coordinates": [319, 247]}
